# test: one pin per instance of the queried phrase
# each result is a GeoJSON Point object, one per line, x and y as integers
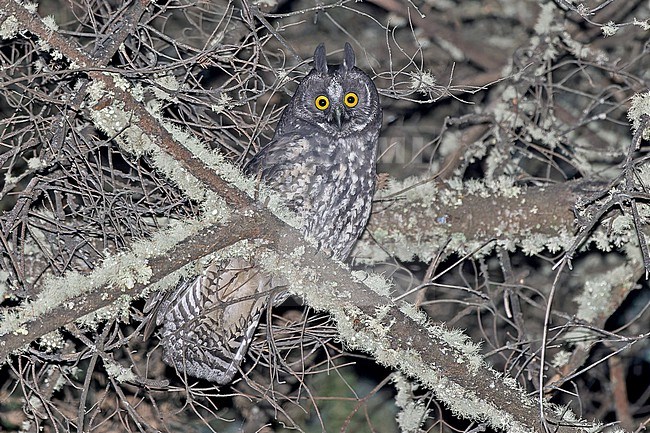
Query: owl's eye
{"type": "Point", "coordinates": [351, 100]}
{"type": "Point", "coordinates": [322, 102]}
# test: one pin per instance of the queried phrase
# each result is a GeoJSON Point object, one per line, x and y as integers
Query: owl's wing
{"type": "Point", "coordinates": [209, 322]}
{"type": "Point", "coordinates": [277, 156]}
{"type": "Point", "coordinates": [288, 165]}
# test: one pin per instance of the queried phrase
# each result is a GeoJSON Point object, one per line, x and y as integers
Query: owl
{"type": "Point", "coordinates": [322, 160]}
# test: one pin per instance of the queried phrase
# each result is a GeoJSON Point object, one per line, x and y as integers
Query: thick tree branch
{"type": "Point", "coordinates": [420, 224]}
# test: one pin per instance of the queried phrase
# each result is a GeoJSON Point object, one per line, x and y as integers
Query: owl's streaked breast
{"type": "Point", "coordinates": [328, 181]}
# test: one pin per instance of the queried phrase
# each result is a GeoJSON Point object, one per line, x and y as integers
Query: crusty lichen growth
{"type": "Point", "coordinates": [118, 309]}
{"type": "Point", "coordinates": [377, 282]}
{"type": "Point", "coordinates": [423, 82]}
{"type": "Point", "coordinates": [595, 300]}
{"type": "Point", "coordinates": [126, 269]}
{"type": "Point", "coordinates": [167, 85]}
{"type": "Point", "coordinates": [547, 22]}
{"type": "Point", "coordinates": [50, 23]}
{"type": "Point", "coordinates": [640, 105]}
{"type": "Point", "coordinates": [413, 412]}
{"type": "Point", "coordinates": [609, 29]}
{"type": "Point", "coordinates": [469, 352]}
{"type": "Point", "coordinates": [118, 372]}
{"type": "Point", "coordinates": [178, 175]}
{"type": "Point", "coordinates": [51, 342]}
{"type": "Point", "coordinates": [115, 120]}
{"type": "Point", "coordinates": [9, 27]}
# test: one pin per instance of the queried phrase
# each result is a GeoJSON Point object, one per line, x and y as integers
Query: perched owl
{"type": "Point", "coordinates": [322, 160]}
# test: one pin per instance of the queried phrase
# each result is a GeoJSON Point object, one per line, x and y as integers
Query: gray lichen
{"type": "Point", "coordinates": [639, 106]}
{"type": "Point", "coordinates": [424, 217]}
{"type": "Point", "coordinates": [413, 413]}
{"type": "Point", "coordinates": [116, 121]}
{"type": "Point", "coordinates": [118, 372]}
{"type": "Point", "coordinates": [9, 27]}
{"type": "Point", "coordinates": [375, 338]}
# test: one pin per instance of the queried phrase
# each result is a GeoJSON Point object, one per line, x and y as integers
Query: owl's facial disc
{"type": "Point", "coordinates": [331, 106]}
{"type": "Point", "coordinates": [339, 102]}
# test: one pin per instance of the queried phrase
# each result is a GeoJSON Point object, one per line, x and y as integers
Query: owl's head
{"type": "Point", "coordinates": [341, 100]}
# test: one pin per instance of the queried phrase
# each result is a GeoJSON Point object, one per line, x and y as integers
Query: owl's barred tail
{"type": "Point", "coordinates": [200, 352]}
{"type": "Point", "coordinates": [209, 322]}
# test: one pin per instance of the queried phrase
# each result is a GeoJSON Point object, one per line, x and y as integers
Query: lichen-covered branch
{"type": "Point", "coordinates": [119, 280]}
{"type": "Point", "coordinates": [416, 221]}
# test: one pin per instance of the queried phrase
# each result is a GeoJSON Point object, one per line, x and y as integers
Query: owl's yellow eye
{"type": "Point", "coordinates": [322, 102]}
{"type": "Point", "coordinates": [351, 99]}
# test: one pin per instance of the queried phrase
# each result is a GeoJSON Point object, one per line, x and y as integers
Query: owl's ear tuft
{"type": "Point", "coordinates": [320, 59]}
{"type": "Point", "coordinates": [348, 58]}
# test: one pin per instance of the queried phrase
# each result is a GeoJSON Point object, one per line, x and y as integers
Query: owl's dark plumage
{"type": "Point", "coordinates": [322, 160]}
